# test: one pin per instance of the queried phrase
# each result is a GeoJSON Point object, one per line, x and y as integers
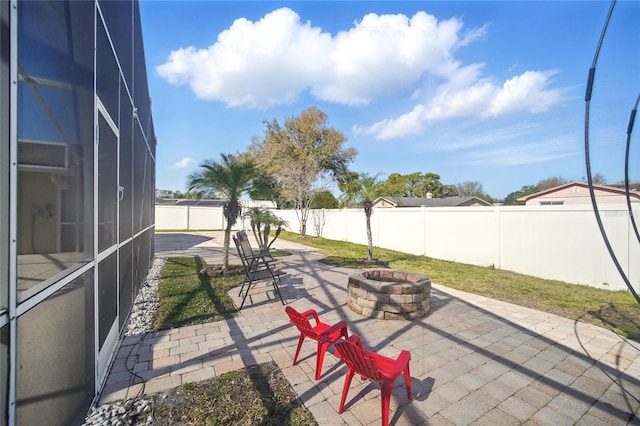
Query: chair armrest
{"type": "Point", "coordinates": [258, 258]}
{"type": "Point", "coordinates": [400, 364]}
{"type": "Point", "coordinates": [263, 256]}
{"type": "Point", "coordinates": [255, 267]}
{"type": "Point", "coordinates": [355, 339]}
{"type": "Point", "coordinates": [341, 325]}
{"type": "Point", "coordinates": [311, 313]}
{"type": "Point", "coordinates": [259, 263]}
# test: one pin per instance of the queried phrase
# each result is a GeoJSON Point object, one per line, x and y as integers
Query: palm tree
{"type": "Point", "coordinates": [350, 186]}
{"type": "Point", "coordinates": [368, 189]}
{"type": "Point", "coordinates": [262, 220]}
{"type": "Point", "coordinates": [230, 177]}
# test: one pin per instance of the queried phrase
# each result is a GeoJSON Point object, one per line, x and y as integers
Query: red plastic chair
{"type": "Point", "coordinates": [376, 367]}
{"type": "Point", "coordinates": [325, 334]}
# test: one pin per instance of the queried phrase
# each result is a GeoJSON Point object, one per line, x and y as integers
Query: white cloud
{"type": "Point", "coordinates": [466, 94]}
{"type": "Point", "coordinates": [527, 91]}
{"type": "Point", "coordinates": [461, 140]}
{"type": "Point", "coordinates": [253, 64]}
{"type": "Point", "coordinates": [526, 153]}
{"type": "Point", "coordinates": [271, 61]}
{"type": "Point", "coordinates": [408, 123]}
{"type": "Point", "coordinates": [473, 35]}
{"type": "Point", "coordinates": [183, 164]}
{"type": "Point", "coordinates": [387, 54]}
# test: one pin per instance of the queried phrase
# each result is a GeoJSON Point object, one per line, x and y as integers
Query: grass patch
{"type": "Point", "coordinates": [616, 310]}
{"type": "Point", "coordinates": [279, 253]}
{"type": "Point", "coordinates": [257, 395]}
{"type": "Point", "coordinates": [188, 298]}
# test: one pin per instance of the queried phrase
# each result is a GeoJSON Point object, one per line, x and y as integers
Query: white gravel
{"type": "Point", "coordinates": [136, 411]}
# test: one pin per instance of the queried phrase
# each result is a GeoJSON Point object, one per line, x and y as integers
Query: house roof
{"type": "Point", "coordinates": [633, 186]}
{"type": "Point", "coordinates": [431, 202]}
{"type": "Point", "coordinates": [617, 190]}
{"type": "Point", "coordinates": [186, 202]}
{"type": "Point", "coordinates": [210, 202]}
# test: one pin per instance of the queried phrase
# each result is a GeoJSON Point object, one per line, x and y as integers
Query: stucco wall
{"type": "Point", "coordinates": [580, 196]}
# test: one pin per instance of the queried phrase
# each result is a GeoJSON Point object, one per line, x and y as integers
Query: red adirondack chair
{"type": "Point", "coordinates": [325, 334]}
{"type": "Point", "coordinates": [378, 368]}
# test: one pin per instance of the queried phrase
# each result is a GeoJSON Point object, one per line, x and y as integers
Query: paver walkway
{"type": "Point", "coordinates": [475, 360]}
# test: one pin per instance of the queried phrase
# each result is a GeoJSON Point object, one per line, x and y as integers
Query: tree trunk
{"type": "Point", "coordinates": [369, 238]}
{"type": "Point", "coordinates": [278, 232]}
{"type": "Point", "coordinates": [231, 210]}
{"type": "Point", "coordinates": [264, 244]}
{"type": "Point", "coordinates": [304, 214]}
{"type": "Point", "coordinates": [301, 220]}
{"type": "Point", "coordinates": [227, 238]}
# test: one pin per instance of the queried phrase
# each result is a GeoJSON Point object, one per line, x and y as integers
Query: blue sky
{"type": "Point", "coordinates": [481, 91]}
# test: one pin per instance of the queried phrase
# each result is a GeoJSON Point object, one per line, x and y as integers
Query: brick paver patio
{"type": "Point", "coordinates": [475, 360]}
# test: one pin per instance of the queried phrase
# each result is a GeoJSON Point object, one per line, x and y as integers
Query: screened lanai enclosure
{"type": "Point", "coordinates": [77, 181]}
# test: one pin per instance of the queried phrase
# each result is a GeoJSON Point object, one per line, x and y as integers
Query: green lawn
{"type": "Point", "coordinates": [187, 298]}
{"type": "Point", "coordinates": [616, 310]}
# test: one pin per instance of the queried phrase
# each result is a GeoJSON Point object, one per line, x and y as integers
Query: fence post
{"type": "Point", "coordinates": [424, 230]}
{"type": "Point", "coordinates": [346, 225]}
{"type": "Point", "coordinates": [498, 213]}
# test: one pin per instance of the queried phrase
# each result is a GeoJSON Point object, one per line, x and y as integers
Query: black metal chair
{"type": "Point", "coordinates": [244, 240]}
{"type": "Point", "coordinates": [257, 267]}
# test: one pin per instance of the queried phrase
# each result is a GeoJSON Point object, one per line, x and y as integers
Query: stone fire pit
{"type": "Point", "coordinates": [389, 294]}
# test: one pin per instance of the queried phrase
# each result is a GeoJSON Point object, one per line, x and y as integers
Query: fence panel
{"type": "Point", "coordinates": [172, 217]}
{"type": "Point", "coordinates": [206, 218]}
{"type": "Point", "coordinates": [555, 242]}
{"type": "Point", "coordinates": [398, 229]}
{"type": "Point", "coordinates": [467, 235]}
{"type": "Point", "coordinates": [564, 243]}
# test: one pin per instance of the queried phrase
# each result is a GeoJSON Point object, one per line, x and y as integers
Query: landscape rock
{"type": "Point", "coordinates": [133, 411]}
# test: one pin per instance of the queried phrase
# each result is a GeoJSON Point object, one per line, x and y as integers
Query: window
{"type": "Point", "coordinates": [55, 357]}
{"type": "Point", "coordinates": [55, 142]}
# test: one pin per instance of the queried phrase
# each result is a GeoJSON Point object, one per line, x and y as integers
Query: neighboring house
{"type": "Point", "coordinates": [575, 193]}
{"type": "Point", "coordinates": [77, 184]}
{"type": "Point", "coordinates": [247, 204]}
{"type": "Point", "coordinates": [189, 202]}
{"type": "Point", "coordinates": [393, 202]}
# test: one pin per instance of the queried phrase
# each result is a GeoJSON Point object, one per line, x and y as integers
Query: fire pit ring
{"type": "Point", "coordinates": [389, 294]}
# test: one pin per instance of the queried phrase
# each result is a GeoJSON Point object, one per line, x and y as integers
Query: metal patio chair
{"type": "Point", "coordinates": [256, 268]}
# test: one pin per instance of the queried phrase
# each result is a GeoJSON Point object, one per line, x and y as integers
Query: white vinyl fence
{"type": "Point", "coordinates": [555, 242]}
